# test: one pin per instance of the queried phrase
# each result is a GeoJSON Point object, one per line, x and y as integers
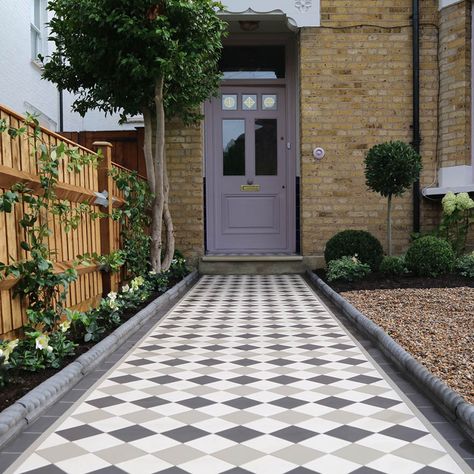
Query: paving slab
{"type": "Point", "coordinates": [246, 374]}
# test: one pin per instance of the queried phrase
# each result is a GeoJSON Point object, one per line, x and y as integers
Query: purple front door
{"type": "Point", "coordinates": [247, 172]}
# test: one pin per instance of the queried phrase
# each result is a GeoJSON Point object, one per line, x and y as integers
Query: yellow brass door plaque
{"type": "Point", "coordinates": [250, 188]}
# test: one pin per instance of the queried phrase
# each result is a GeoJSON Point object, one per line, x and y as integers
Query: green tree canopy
{"type": "Point", "coordinates": [156, 58]}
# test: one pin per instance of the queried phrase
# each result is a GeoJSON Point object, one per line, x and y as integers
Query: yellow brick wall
{"type": "Point", "coordinates": [455, 104]}
{"type": "Point", "coordinates": [184, 148]}
{"type": "Point", "coordinates": [356, 91]}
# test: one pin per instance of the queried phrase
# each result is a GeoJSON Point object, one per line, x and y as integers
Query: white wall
{"type": "Point", "coordinates": [21, 86]}
{"type": "Point", "coordinates": [446, 3]}
{"type": "Point", "coordinates": [93, 121]}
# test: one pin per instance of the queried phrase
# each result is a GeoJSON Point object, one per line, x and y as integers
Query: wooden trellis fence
{"type": "Point", "coordinates": [102, 236]}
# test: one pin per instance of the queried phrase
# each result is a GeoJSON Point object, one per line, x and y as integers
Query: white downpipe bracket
{"type": "Point", "coordinates": [299, 13]}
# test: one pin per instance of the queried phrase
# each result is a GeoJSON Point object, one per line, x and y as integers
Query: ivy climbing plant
{"type": "Point", "coordinates": [44, 289]}
{"type": "Point", "coordinates": [135, 220]}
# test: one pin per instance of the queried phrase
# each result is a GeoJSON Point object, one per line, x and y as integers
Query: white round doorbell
{"type": "Point", "coordinates": [319, 153]}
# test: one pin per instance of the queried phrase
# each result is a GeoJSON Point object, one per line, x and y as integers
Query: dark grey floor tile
{"type": "Point", "coordinates": [50, 469]}
{"type": "Point", "coordinates": [132, 433]}
{"type": "Point", "coordinates": [58, 409]}
{"type": "Point", "coordinates": [242, 403]}
{"type": "Point", "coordinates": [294, 434]}
{"type": "Point", "coordinates": [185, 433]}
{"type": "Point", "coordinates": [239, 434]}
{"type": "Point", "coordinates": [73, 395]}
{"type": "Point", "coordinates": [6, 459]}
{"type": "Point", "coordinates": [105, 402]}
{"type": "Point", "coordinates": [366, 470]}
{"type": "Point", "coordinates": [79, 432]}
{"type": "Point", "coordinates": [41, 424]}
{"type": "Point", "coordinates": [403, 432]}
{"type": "Point", "coordinates": [196, 402]}
{"type": "Point", "coordinates": [449, 431]}
{"type": "Point", "coordinates": [349, 433]}
{"type": "Point", "coordinates": [109, 470]}
{"type": "Point", "coordinates": [21, 443]}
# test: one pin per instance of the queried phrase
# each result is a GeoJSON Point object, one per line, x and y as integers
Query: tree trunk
{"type": "Point", "coordinates": [170, 241]}
{"type": "Point", "coordinates": [157, 207]}
{"type": "Point", "coordinates": [148, 148]}
{"type": "Point", "coordinates": [389, 225]}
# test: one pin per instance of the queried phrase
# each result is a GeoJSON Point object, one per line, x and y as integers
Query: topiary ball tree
{"type": "Point", "coordinates": [390, 169]}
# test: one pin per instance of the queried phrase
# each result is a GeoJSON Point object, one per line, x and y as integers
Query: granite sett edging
{"type": "Point", "coordinates": [28, 408]}
{"type": "Point", "coordinates": [447, 400]}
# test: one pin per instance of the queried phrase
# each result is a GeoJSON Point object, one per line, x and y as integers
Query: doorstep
{"type": "Point", "coordinates": [251, 264]}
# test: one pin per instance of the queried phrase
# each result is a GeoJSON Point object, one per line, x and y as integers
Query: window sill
{"type": "Point", "coordinates": [467, 188]}
{"type": "Point", "coordinates": [38, 64]}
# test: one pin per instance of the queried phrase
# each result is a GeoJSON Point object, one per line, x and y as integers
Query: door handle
{"type": "Point", "coordinates": [250, 181]}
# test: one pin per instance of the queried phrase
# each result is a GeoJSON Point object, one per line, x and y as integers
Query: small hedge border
{"type": "Point", "coordinates": [28, 408]}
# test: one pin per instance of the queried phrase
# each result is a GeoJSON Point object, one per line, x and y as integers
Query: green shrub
{"type": "Point", "coordinates": [465, 265]}
{"type": "Point", "coordinates": [394, 266]}
{"type": "Point", "coordinates": [347, 269]}
{"type": "Point", "coordinates": [360, 243]}
{"type": "Point", "coordinates": [430, 256]}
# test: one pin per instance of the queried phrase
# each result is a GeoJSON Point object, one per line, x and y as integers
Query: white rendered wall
{"type": "Point", "coordinates": [21, 86]}
{"type": "Point", "coordinates": [93, 121]}
{"type": "Point", "coordinates": [446, 3]}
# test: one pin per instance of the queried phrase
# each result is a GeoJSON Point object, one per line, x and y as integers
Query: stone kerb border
{"type": "Point", "coordinates": [28, 408]}
{"type": "Point", "coordinates": [450, 402]}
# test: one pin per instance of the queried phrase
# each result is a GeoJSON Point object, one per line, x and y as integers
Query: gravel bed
{"type": "Point", "coordinates": [436, 325]}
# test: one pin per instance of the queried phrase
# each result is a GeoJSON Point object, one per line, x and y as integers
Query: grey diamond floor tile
{"type": "Point", "coordinates": [247, 374]}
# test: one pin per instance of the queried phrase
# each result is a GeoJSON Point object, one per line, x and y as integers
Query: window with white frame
{"type": "Point", "coordinates": [38, 35]}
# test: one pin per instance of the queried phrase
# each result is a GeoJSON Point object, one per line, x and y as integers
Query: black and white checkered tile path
{"type": "Point", "coordinates": [248, 374]}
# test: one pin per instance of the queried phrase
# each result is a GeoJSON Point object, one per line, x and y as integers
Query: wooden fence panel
{"type": "Point", "coordinates": [18, 163]}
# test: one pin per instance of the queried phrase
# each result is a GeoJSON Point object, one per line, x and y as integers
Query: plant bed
{"type": "Point", "coordinates": [429, 317]}
{"type": "Point", "coordinates": [20, 382]}
{"type": "Point", "coordinates": [29, 407]}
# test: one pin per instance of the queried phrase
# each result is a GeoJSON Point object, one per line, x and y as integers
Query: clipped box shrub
{"type": "Point", "coordinates": [430, 257]}
{"type": "Point", "coordinates": [393, 266]}
{"type": "Point", "coordinates": [347, 269]}
{"type": "Point", "coordinates": [465, 265]}
{"type": "Point", "coordinates": [360, 243]}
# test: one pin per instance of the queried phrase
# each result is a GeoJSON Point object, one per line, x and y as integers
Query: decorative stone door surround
{"type": "Point", "coordinates": [299, 13]}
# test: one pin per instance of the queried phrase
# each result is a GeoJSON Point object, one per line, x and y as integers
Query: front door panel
{"type": "Point", "coordinates": [249, 172]}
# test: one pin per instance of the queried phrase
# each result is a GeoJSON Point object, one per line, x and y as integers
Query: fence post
{"type": "Point", "coordinates": [106, 223]}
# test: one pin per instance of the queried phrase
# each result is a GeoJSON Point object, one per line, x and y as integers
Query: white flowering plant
{"type": "Point", "coordinates": [6, 349]}
{"type": "Point", "coordinates": [348, 268]}
{"type": "Point", "coordinates": [458, 216]}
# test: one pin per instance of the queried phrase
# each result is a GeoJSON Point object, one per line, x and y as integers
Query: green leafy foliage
{"type": "Point", "coordinates": [111, 53]}
{"type": "Point", "coordinates": [111, 263]}
{"type": "Point", "coordinates": [178, 269]}
{"type": "Point", "coordinates": [393, 266]}
{"type": "Point", "coordinates": [391, 168]}
{"type": "Point", "coordinates": [430, 257]}
{"type": "Point", "coordinates": [364, 245]}
{"type": "Point", "coordinates": [347, 269]}
{"type": "Point", "coordinates": [134, 217]}
{"type": "Point", "coordinates": [458, 217]}
{"type": "Point", "coordinates": [465, 265]}
{"type": "Point", "coordinates": [38, 282]}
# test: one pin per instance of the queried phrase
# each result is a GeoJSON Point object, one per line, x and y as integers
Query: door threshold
{"type": "Point", "coordinates": [246, 257]}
